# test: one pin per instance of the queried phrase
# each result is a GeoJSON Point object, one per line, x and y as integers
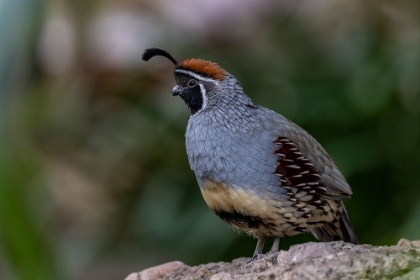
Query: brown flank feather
{"type": "Point", "coordinates": [210, 69]}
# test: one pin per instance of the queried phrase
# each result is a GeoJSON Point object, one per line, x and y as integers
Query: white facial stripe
{"type": "Point", "coordinates": [198, 77]}
{"type": "Point", "coordinates": [203, 96]}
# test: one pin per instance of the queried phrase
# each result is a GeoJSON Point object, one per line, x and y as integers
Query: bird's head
{"type": "Point", "coordinates": [196, 79]}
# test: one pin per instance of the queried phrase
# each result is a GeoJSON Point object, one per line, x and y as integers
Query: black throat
{"type": "Point", "coordinates": [191, 91]}
{"type": "Point", "coordinates": [193, 98]}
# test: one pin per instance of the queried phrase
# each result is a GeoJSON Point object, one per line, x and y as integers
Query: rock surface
{"type": "Point", "coordinates": [333, 260]}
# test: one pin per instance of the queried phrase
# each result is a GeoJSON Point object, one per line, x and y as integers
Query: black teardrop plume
{"type": "Point", "coordinates": [149, 53]}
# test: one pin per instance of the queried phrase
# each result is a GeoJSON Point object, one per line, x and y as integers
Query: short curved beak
{"type": "Point", "coordinates": [176, 91]}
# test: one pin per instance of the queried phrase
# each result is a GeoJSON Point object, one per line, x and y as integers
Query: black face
{"type": "Point", "coordinates": [188, 88]}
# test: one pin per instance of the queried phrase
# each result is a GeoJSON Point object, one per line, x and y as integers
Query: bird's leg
{"type": "Point", "coordinates": [260, 245]}
{"type": "Point", "coordinates": [258, 249]}
{"type": "Point", "coordinates": [275, 246]}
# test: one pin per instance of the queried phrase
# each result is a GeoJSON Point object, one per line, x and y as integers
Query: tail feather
{"type": "Point", "coordinates": [340, 230]}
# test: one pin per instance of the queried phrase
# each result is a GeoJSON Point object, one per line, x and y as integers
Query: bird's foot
{"type": "Point", "coordinates": [255, 257]}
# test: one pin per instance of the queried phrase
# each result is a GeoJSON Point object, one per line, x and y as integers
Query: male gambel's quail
{"type": "Point", "coordinates": [257, 171]}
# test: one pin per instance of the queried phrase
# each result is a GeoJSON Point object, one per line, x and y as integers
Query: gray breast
{"type": "Point", "coordinates": [236, 151]}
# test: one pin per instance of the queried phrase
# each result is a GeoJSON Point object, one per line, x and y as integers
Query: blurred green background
{"type": "Point", "coordinates": [94, 178]}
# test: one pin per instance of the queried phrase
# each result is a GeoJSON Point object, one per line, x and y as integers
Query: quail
{"type": "Point", "coordinates": [257, 170]}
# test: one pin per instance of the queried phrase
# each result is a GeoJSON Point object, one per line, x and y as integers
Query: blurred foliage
{"type": "Point", "coordinates": [94, 178]}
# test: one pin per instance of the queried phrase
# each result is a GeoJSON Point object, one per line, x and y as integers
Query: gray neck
{"type": "Point", "coordinates": [228, 105]}
{"type": "Point", "coordinates": [229, 95]}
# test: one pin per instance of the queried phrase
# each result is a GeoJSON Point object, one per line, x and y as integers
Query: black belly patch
{"type": "Point", "coordinates": [242, 221]}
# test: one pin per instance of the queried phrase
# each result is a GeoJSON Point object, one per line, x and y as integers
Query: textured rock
{"type": "Point", "coordinates": [157, 272]}
{"type": "Point", "coordinates": [333, 260]}
{"type": "Point", "coordinates": [406, 242]}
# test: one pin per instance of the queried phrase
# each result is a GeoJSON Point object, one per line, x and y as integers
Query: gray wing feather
{"type": "Point", "coordinates": [331, 177]}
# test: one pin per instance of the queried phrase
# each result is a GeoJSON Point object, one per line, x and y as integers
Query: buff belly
{"type": "Point", "coordinates": [260, 215]}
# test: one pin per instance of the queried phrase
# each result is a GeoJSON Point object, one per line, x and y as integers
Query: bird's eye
{"type": "Point", "coordinates": [192, 83]}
